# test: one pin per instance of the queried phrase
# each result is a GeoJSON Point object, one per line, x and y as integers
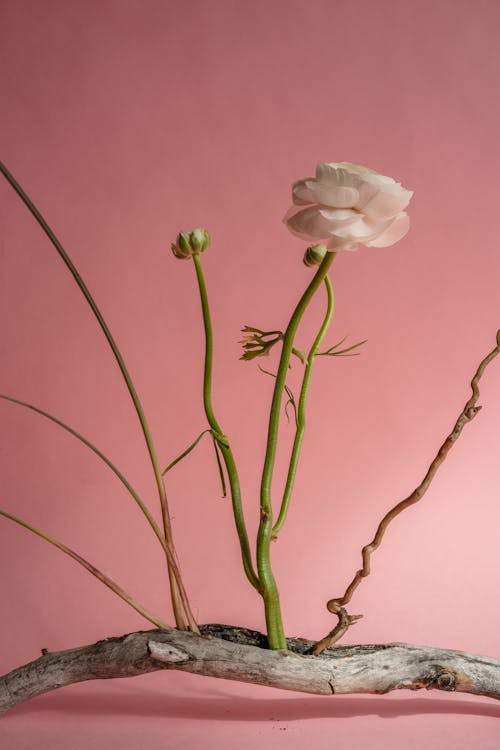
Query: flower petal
{"type": "Point", "coordinates": [340, 216]}
{"type": "Point", "coordinates": [335, 175]}
{"type": "Point", "coordinates": [382, 203]}
{"type": "Point", "coordinates": [339, 243]}
{"type": "Point", "coordinates": [309, 224]}
{"type": "Point", "coordinates": [301, 195]}
{"type": "Point", "coordinates": [360, 230]}
{"type": "Point", "coordinates": [393, 233]}
{"type": "Point", "coordinates": [340, 196]}
{"type": "Point", "coordinates": [357, 169]}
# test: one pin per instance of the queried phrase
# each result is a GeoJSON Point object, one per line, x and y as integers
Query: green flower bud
{"type": "Point", "coordinates": [314, 255]}
{"type": "Point", "coordinates": [191, 243]}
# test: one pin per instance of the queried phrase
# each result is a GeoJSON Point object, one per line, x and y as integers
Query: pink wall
{"type": "Point", "coordinates": [127, 121]}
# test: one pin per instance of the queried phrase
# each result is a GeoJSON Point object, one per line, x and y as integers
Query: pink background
{"type": "Point", "coordinates": [127, 121]}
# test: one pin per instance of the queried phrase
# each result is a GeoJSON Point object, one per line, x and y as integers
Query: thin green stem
{"type": "Point", "coordinates": [91, 569]}
{"type": "Point", "coordinates": [101, 455]}
{"type": "Point", "coordinates": [225, 449]}
{"type": "Point", "coordinates": [275, 631]}
{"type": "Point", "coordinates": [301, 410]}
{"type": "Point", "coordinates": [180, 602]}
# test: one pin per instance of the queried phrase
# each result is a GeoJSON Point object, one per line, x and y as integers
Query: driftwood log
{"type": "Point", "coordinates": [240, 654]}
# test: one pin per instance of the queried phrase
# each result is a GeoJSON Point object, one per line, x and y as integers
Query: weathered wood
{"type": "Point", "coordinates": [240, 654]}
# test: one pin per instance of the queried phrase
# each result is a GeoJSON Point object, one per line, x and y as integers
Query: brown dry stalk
{"type": "Point", "coordinates": [91, 569]}
{"type": "Point", "coordinates": [182, 611]}
{"type": "Point", "coordinates": [468, 413]}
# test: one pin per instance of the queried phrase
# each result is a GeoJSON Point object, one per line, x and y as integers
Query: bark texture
{"type": "Point", "coordinates": [240, 654]}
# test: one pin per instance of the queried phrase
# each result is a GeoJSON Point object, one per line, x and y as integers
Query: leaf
{"type": "Point", "coordinates": [266, 372]}
{"type": "Point", "coordinates": [219, 464]}
{"type": "Point", "coordinates": [185, 453]}
{"type": "Point", "coordinates": [249, 329]}
{"type": "Point", "coordinates": [291, 401]}
{"type": "Point", "coordinates": [343, 352]}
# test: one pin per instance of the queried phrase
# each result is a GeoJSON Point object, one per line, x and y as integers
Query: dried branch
{"type": "Point", "coordinates": [468, 413]}
{"type": "Point", "coordinates": [240, 654]}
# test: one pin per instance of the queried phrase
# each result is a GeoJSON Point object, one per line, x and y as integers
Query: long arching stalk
{"type": "Point", "coordinates": [180, 603]}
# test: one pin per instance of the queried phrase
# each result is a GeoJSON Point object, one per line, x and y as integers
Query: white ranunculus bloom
{"type": "Point", "coordinates": [346, 204]}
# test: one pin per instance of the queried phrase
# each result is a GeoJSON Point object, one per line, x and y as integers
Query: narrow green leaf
{"type": "Point", "coordinates": [336, 346]}
{"type": "Point", "coordinates": [300, 355]}
{"type": "Point", "coordinates": [291, 402]}
{"type": "Point", "coordinates": [251, 344]}
{"type": "Point", "coordinates": [185, 453]}
{"type": "Point", "coordinates": [266, 372]}
{"type": "Point", "coordinates": [342, 352]}
{"type": "Point", "coordinates": [249, 329]}
{"type": "Point", "coordinates": [219, 464]}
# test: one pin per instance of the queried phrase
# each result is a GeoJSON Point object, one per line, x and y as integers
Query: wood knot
{"type": "Point", "coordinates": [167, 653]}
{"type": "Point", "coordinates": [442, 679]}
{"type": "Point", "coordinates": [472, 411]}
{"type": "Point", "coordinates": [446, 681]}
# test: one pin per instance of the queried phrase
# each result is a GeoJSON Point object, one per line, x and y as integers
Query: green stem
{"type": "Point", "coordinates": [227, 454]}
{"type": "Point", "coordinates": [91, 569]}
{"type": "Point", "coordinates": [275, 631]}
{"type": "Point", "coordinates": [180, 602]}
{"type": "Point", "coordinates": [301, 410]}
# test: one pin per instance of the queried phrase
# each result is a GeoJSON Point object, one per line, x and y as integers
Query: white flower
{"type": "Point", "coordinates": [346, 204]}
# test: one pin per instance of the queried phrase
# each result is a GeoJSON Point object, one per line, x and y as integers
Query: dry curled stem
{"type": "Point", "coordinates": [336, 606]}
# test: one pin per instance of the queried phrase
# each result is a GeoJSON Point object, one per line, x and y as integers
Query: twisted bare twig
{"type": "Point", "coordinates": [336, 606]}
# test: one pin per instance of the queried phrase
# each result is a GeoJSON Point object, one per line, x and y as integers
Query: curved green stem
{"type": "Point", "coordinates": [301, 410]}
{"type": "Point", "coordinates": [222, 442]}
{"type": "Point", "coordinates": [91, 569]}
{"type": "Point", "coordinates": [275, 632]}
{"type": "Point", "coordinates": [180, 602]}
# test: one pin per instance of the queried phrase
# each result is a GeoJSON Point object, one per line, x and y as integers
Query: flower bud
{"type": "Point", "coordinates": [314, 255]}
{"type": "Point", "coordinates": [191, 243]}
